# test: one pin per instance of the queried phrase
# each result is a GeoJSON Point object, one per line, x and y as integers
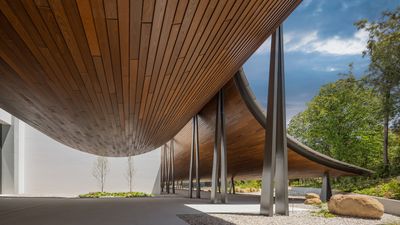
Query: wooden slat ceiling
{"type": "Point", "coordinates": [118, 77]}
{"type": "Point", "coordinates": [245, 145]}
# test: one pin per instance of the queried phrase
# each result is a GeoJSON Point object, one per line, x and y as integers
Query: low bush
{"type": "Point", "coordinates": [323, 211]}
{"type": "Point", "coordinates": [390, 189]}
{"type": "Point", "coordinates": [115, 194]}
{"type": "Point", "coordinates": [243, 184]}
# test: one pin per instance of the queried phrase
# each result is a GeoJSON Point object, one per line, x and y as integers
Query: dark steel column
{"type": "Point", "coordinates": [162, 169]}
{"type": "Point", "coordinates": [215, 166]}
{"type": "Point", "coordinates": [233, 185]}
{"type": "Point", "coordinates": [224, 166]}
{"type": "Point", "coordinates": [191, 159]}
{"type": "Point", "coordinates": [168, 167]}
{"type": "Point", "coordinates": [197, 157]}
{"type": "Point", "coordinates": [326, 191]}
{"type": "Point", "coordinates": [268, 173]}
{"type": "Point", "coordinates": [275, 168]}
{"type": "Point", "coordinates": [172, 165]}
{"type": "Point", "coordinates": [281, 172]}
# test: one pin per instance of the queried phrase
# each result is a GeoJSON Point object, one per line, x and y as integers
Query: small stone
{"type": "Point", "coordinates": [356, 206]}
{"type": "Point", "coordinates": [311, 195]}
{"type": "Point", "coordinates": [312, 201]}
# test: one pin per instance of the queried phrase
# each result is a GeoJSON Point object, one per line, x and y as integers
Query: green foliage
{"type": "Point", "coordinates": [383, 49]}
{"type": "Point", "coordinates": [342, 121]}
{"type": "Point", "coordinates": [390, 189]}
{"type": "Point", "coordinates": [115, 194]}
{"type": "Point", "coordinates": [308, 182]}
{"type": "Point", "coordinates": [248, 184]}
{"type": "Point", "coordinates": [323, 211]}
{"type": "Point", "coordinates": [351, 184]}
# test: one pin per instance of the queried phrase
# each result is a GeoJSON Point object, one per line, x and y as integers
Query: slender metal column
{"type": "Point", "coordinates": [168, 167]}
{"type": "Point", "coordinates": [224, 166]}
{"type": "Point", "coordinates": [172, 165]}
{"type": "Point", "coordinates": [191, 160]}
{"type": "Point", "coordinates": [233, 185]}
{"type": "Point", "coordinates": [197, 157]}
{"type": "Point", "coordinates": [326, 191]}
{"type": "Point", "coordinates": [281, 172]}
{"type": "Point", "coordinates": [217, 139]}
{"type": "Point", "coordinates": [268, 173]}
{"type": "Point", "coordinates": [162, 170]}
{"type": "Point", "coordinates": [165, 168]}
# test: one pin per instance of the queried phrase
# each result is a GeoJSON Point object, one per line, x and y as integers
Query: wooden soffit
{"type": "Point", "coordinates": [120, 77]}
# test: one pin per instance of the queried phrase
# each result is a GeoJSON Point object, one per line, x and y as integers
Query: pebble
{"type": "Point", "coordinates": [295, 218]}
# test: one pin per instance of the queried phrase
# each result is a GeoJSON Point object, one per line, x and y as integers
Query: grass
{"type": "Point", "coordinates": [323, 211]}
{"type": "Point", "coordinates": [115, 194]}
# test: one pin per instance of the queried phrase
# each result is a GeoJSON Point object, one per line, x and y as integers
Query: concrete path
{"type": "Point", "coordinates": [116, 211]}
{"type": "Point", "coordinates": [112, 211]}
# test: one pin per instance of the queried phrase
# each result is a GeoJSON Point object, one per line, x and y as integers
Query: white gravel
{"type": "Point", "coordinates": [295, 218]}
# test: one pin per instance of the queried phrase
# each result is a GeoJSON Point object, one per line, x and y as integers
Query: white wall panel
{"type": "Point", "coordinates": [52, 168]}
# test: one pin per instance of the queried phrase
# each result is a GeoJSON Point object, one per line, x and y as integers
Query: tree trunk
{"type": "Point", "coordinates": [386, 133]}
{"type": "Point", "coordinates": [385, 141]}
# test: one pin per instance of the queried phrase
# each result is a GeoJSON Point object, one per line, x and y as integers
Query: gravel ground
{"type": "Point", "coordinates": [295, 218]}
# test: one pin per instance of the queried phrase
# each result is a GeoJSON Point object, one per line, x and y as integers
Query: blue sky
{"type": "Point", "coordinates": [320, 41]}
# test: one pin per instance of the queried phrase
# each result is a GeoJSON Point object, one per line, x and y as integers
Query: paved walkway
{"type": "Point", "coordinates": [116, 211]}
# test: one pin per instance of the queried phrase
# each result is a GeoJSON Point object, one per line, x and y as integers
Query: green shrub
{"type": "Point", "coordinates": [323, 211]}
{"type": "Point", "coordinates": [390, 189]}
{"type": "Point", "coordinates": [243, 184]}
{"type": "Point", "coordinates": [307, 182]}
{"type": "Point", "coordinates": [115, 194]}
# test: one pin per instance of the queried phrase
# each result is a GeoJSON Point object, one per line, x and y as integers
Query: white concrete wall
{"type": "Point", "coordinates": [19, 156]}
{"type": "Point", "coordinates": [35, 164]}
{"type": "Point", "coordinates": [52, 168]}
{"type": "Point", "coordinates": [5, 117]}
{"type": "Point", "coordinates": [7, 159]}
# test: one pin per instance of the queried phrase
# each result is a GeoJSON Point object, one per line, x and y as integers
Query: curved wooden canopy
{"type": "Point", "coordinates": [120, 77]}
{"type": "Point", "coordinates": [245, 134]}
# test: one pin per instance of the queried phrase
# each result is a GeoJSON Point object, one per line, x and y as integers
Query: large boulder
{"type": "Point", "coordinates": [356, 206]}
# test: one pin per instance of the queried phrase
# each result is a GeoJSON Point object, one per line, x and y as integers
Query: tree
{"type": "Point", "coordinates": [100, 171]}
{"type": "Point", "coordinates": [342, 121]}
{"type": "Point", "coordinates": [383, 48]}
{"type": "Point", "coordinates": [129, 172]}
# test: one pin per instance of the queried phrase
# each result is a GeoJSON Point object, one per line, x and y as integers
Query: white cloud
{"type": "Point", "coordinates": [311, 42]}
{"type": "Point", "coordinates": [326, 68]}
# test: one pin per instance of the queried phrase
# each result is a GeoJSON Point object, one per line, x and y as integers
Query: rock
{"type": "Point", "coordinates": [312, 201]}
{"type": "Point", "coordinates": [356, 206]}
{"type": "Point", "coordinates": [311, 195]}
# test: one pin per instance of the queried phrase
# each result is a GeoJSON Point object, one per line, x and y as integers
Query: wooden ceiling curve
{"type": "Point", "coordinates": [122, 77]}
{"type": "Point", "coordinates": [245, 137]}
